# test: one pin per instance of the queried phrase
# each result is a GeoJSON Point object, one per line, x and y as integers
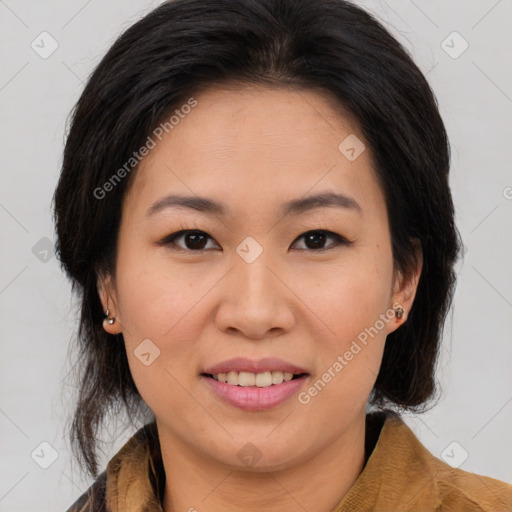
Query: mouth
{"type": "Point", "coordinates": [251, 391]}
{"type": "Point", "coordinates": [249, 379]}
{"type": "Point", "coordinates": [255, 384]}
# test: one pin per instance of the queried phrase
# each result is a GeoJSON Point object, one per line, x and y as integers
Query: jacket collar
{"type": "Point", "coordinates": [135, 475]}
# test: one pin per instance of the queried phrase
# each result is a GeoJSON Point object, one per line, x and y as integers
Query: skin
{"type": "Point", "coordinates": [255, 148]}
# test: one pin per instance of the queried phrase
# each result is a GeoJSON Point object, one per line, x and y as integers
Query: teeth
{"type": "Point", "coordinates": [260, 380]}
{"type": "Point", "coordinates": [246, 379]}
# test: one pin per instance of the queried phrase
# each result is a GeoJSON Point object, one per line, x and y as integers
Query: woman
{"type": "Point", "coordinates": [254, 207]}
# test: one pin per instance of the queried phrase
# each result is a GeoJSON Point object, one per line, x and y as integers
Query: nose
{"type": "Point", "coordinates": [255, 300]}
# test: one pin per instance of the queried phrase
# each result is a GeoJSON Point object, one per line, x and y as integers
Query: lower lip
{"type": "Point", "coordinates": [252, 398]}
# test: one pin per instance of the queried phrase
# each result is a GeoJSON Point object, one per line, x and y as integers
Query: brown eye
{"type": "Point", "coordinates": [316, 240]}
{"type": "Point", "coordinates": [193, 240]}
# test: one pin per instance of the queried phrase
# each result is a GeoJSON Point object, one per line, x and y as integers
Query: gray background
{"type": "Point", "coordinates": [38, 314]}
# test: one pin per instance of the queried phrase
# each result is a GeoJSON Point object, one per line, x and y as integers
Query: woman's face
{"type": "Point", "coordinates": [311, 286]}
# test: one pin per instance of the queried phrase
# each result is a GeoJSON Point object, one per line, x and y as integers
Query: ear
{"type": "Point", "coordinates": [108, 298]}
{"type": "Point", "coordinates": [405, 287]}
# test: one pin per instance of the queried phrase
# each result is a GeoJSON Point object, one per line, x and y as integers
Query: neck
{"type": "Point", "coordinates": [195, 482]}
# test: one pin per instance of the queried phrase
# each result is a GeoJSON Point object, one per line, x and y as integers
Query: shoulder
{"type": "Point", "coordinates": [462, 490]}
{"type": "Point", "coordinates": [401, 474]}
{"type": "Point", "coordinates": [452, 488]}
{"type": "Point", "coordinates": [92, 500]}
{"type": "Point", "coordinates": [134, 475]}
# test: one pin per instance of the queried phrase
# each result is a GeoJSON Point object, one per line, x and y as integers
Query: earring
{"type": "Point", "coordinates": [399, 312]}
{"type": "Point", "coordinates": [109, 320]}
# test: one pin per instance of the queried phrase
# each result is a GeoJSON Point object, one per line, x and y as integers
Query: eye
{"type": "Point", "coordinates": [196, 240]}
{"type": "Point", "coordinates": [316, 240]}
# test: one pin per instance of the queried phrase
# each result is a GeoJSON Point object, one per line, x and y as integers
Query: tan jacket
{"type": "Point", "coordinates": [400, 475]}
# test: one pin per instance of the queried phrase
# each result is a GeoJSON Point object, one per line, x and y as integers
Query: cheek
{"type": "Point", "coordinates": [156, 299]}
{"type": "Point", "coordinates": [354, 309]}
{"type": "Point", "coordinates": [157, 303]}
{"type": "Point", "coordinates": [351, 294]}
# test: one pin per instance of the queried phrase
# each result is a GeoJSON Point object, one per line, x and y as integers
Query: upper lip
{"type": "Point", "coordinates": [242, 364]}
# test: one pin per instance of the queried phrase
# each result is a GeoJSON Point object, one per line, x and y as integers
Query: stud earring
{"type": "Point", "coordinates": [109, 320]}
{"type": "Point", "coordinates": [399, 312]}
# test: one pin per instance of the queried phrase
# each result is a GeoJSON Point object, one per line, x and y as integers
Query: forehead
{"type": "Point", "coordinates": [257, 147]}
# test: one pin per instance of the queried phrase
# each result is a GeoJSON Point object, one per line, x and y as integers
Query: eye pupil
{"type": "Point", "coordinates": [318, 239]}
{"type": "Point", "coordinates": [196, 237]}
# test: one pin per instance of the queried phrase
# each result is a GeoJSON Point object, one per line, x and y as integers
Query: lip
{"type": "Point", "coordinates": [243, 364]}
{"type": "Point", "coordinates": [252, 398]}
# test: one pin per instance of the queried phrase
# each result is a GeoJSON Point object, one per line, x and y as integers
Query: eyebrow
{"type": "Point", "coordinates": [293, 207]}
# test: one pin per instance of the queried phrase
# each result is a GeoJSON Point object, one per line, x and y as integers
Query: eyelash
{"type": "Point", "coordinates": [169, 240]}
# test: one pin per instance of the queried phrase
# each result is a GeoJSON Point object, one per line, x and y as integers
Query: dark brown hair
{"type": "Point", "coordinates": [185, 46]}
